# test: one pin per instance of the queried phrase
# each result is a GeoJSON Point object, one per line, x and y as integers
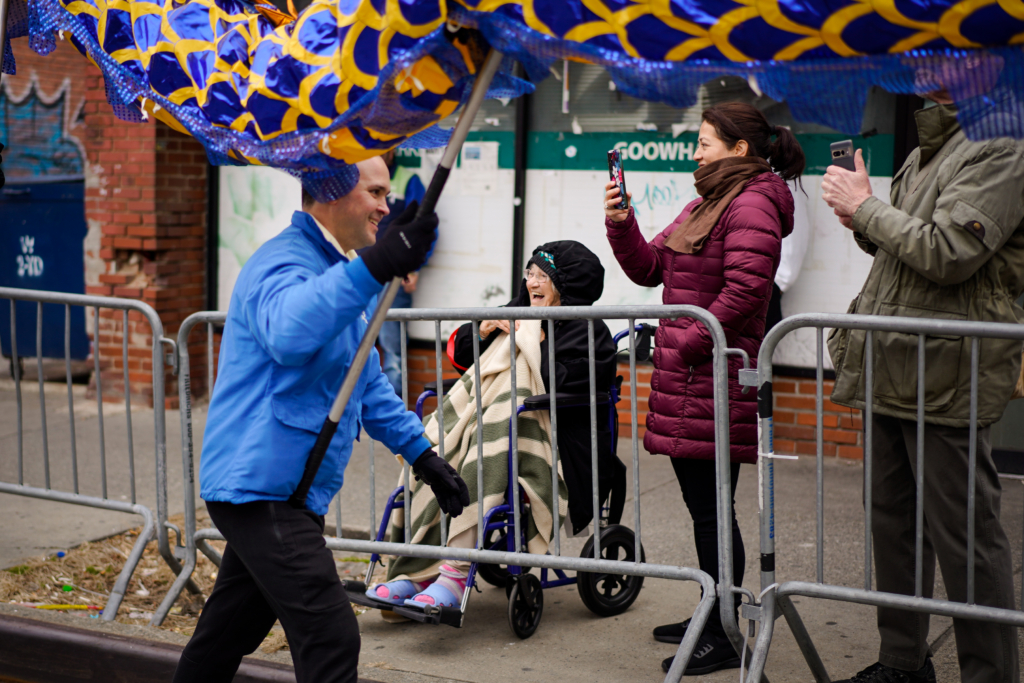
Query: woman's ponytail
{"type": "Point", "coordinates": [785, 154]}
{"type": "Point", "coordinates": [735, 121]}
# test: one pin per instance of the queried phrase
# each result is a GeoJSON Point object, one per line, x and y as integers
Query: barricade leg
{"type": "Point", "coordinates": [689, 642]}
{"type": "Point", "coordinates": [202, 544]}
{"type": "Point", "coordinates": [121, 585]}
{"type": "Point", "coordinates": [803, 638]}
{"type": "Point", "coordinates": [758, 658]}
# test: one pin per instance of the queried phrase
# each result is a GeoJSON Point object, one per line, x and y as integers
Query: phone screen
{"type": "Point", "coordinates": [617, 176]}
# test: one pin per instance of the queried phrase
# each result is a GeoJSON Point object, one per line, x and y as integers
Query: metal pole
{"type": "Point", "coordinates": [406, 482]}
{"type": "Point", "coordinates": [634, 439]}
{"type": "Point", "coordinates": [439, 374]}
{"type": "Point", "coordinates": [99, 396]}
{"type": "Point", "coordinates": [869, 399]}
{"type": "Point", "coordinates": [42, 390]}
{"type": "Point", "coordinates": [337, 513]}
{"type": "Point", "coordinates": [373, 489]}
{"type": "Point", "coordinates": [128, 402]}
{"type": "Point", "coordinates": [513, 436]}
{"type": "Point", "coordinates": [723, 482]}
{"type": "Point", "coordinates": [209, 362]}
{"type": "Point", "coordinates": [552, 393]}
{"type": "Point", "coordinates": [4, 4]}
{"type": "Point", "coordinates": [971, 474]}
{"type": "Point", "coordinates": [403, 331]}
{"type": "Point", "coordinates": [919, 516]}
{"type": "Point", "coordinates": [593, 441]}
{"type": "Point", "coordinates": [387, 297]}
{"type": "Point", "coordinates": [480, 534]}
{"type": "Point", "coordinates": [819, 454]}
{"type": "Point", "coordinates": [71, 397]}
{"type": "Point", "coordinates": [16, 369]}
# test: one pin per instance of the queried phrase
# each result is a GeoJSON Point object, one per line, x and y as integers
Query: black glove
{"type": "Point", "coordinates": [451, 492]}
{"type": "Point", "coordinates": [403, 248]}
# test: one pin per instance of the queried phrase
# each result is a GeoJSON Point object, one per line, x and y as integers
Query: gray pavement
{"type": "Point", "coordinates": [571, 644]}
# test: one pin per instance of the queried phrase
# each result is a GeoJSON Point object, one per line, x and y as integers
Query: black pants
{"type": "Point", "coordinates": [276, 566]}
{"type": "Point", "coordinates": [697, 481]}
{"type": "Point", "coordinates": [987, 651]}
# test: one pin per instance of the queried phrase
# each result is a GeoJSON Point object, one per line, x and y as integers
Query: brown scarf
{"type": "Point", "coordinates": [718, 183]}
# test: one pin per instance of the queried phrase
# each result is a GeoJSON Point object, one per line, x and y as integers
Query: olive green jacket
{"type": "Point", "coordinates": [951, 246]}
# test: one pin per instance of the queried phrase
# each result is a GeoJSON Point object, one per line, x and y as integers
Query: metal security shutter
{"type": "Point", "coordinates": [595, 107]}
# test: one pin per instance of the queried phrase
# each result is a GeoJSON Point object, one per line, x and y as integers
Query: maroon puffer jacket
{"type": "Point", "coordinates": [731, 276]}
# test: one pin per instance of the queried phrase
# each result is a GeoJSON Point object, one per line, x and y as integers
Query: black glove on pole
{"type": "Point", "coordinates": [387, 297]}
{"type": "Point", "coordinates": [450, 490]}
{"type": "Point", "coordinates": [404, 246]}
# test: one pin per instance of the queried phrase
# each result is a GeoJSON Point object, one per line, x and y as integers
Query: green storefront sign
{"type": "Point", "coordinates": [644, 151]}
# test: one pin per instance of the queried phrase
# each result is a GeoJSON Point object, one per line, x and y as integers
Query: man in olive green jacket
{"type": "Point", "coordinates": [951, 246]}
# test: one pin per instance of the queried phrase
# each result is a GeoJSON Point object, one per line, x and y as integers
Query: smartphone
{"type": "Point", "coordinates": [617, 176]}
{"type": "Point", "coordinates": [842, 154]}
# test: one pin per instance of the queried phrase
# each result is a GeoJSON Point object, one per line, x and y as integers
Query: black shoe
{"type": "Point", "coordinates": [712, 653]}
{"type": "Point", "coordinates": [671, 633]}
{"type": "Point", "coordinates": [880, 673]}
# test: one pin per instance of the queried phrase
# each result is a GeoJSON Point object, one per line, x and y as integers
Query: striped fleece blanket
{"type": "Point", "coordinates": [460, 445]}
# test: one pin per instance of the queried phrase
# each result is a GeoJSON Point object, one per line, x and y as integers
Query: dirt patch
{"type": "Point", "coordinates": [84, 576]}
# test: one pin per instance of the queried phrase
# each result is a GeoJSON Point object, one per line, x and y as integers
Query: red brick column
{"type": "Point", "coordinates": [147, 190]}
{"type": "Point", "coordinates": [795, 422]}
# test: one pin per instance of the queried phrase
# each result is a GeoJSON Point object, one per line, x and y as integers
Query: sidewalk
{"type": "Point", "coordinates": [571, 645]}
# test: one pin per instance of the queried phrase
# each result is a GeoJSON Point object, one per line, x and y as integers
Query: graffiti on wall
{"type": "Point", "coordinates": [36, 128]}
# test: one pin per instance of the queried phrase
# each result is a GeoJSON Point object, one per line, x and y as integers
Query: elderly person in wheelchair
{"type": "Point", "coordinates": [563, 273]}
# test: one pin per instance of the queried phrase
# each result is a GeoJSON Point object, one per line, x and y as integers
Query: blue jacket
{"type": "Point", "coordinates": [297, 314]}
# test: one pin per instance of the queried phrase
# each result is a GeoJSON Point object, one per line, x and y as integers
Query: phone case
{"type": "Point", "coordinates": [842, 154]}
{"type": "Point", "coordinates": [617, 176]}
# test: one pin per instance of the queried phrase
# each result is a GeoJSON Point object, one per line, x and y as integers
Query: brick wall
{"type": "Point", "coordinates": [150, 198]}
{"type": "Point", "coordinates": [795, 422]}
{"type": "Point", "coordinates": [145, 207]}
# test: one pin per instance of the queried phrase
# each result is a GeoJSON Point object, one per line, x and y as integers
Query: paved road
{"type": "Point", "coordinates": [571, 643]}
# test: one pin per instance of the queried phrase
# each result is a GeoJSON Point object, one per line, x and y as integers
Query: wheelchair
{"type": "Point", "coordinates": [604, 594]}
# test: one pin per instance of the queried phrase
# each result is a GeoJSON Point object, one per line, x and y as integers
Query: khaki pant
{"type": "Point", "coordinates": [987, 651]}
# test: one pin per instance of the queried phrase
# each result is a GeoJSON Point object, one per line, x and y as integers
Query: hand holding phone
{"type": "Point", "coordinates": [616, 199]}
{"type": "Point", "coordinates": [844, 191]}
{"type": "Point", "coordinates": [618, 177]}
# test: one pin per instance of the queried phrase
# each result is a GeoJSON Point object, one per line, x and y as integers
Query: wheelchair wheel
{"type": "Point", "coordinates": [494, 574]}
{"type": "Point", "coordinates": [609, 594]}
{"type": "Point", "coordinates": [525, 605]}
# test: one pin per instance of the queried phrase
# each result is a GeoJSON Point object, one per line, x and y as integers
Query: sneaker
{"type": "Point", "coordinates": [712, 653]}
{"type": "Point", "coordinates": [671, 633]}
{"type": "Point", "coordinates": [880, 673]}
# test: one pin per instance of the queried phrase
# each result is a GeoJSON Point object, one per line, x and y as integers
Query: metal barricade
{"type": "Point", "coordinates": [152, 522]}
{"type": "Point", "coordinates": [196, 539]}
{"type": "Point", "coordinates": [777, 596]}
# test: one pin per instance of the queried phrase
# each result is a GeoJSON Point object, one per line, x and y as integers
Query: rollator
{"type": "Point", "coordinates": [604, 594]}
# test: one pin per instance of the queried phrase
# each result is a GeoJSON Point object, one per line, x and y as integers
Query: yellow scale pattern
{"type": "Point", "coordinates": [336, 61]}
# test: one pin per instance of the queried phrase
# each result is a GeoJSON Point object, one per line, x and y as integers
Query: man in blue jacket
{"type": "Point", "coordinates": [298, 311]}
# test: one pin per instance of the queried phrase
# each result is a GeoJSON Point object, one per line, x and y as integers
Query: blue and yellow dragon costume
{"type": "Point", "coordinates": [348, 79]}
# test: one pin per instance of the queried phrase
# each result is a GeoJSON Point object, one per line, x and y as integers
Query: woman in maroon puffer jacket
{"type": "Point", "coordinates": [720, 254]}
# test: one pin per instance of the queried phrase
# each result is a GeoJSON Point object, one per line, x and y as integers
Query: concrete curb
{"type": "Point", "coordinates": [37, 652]}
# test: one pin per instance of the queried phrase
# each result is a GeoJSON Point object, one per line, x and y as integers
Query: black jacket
{"type": "Point", "coordinates": [579, 278]}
